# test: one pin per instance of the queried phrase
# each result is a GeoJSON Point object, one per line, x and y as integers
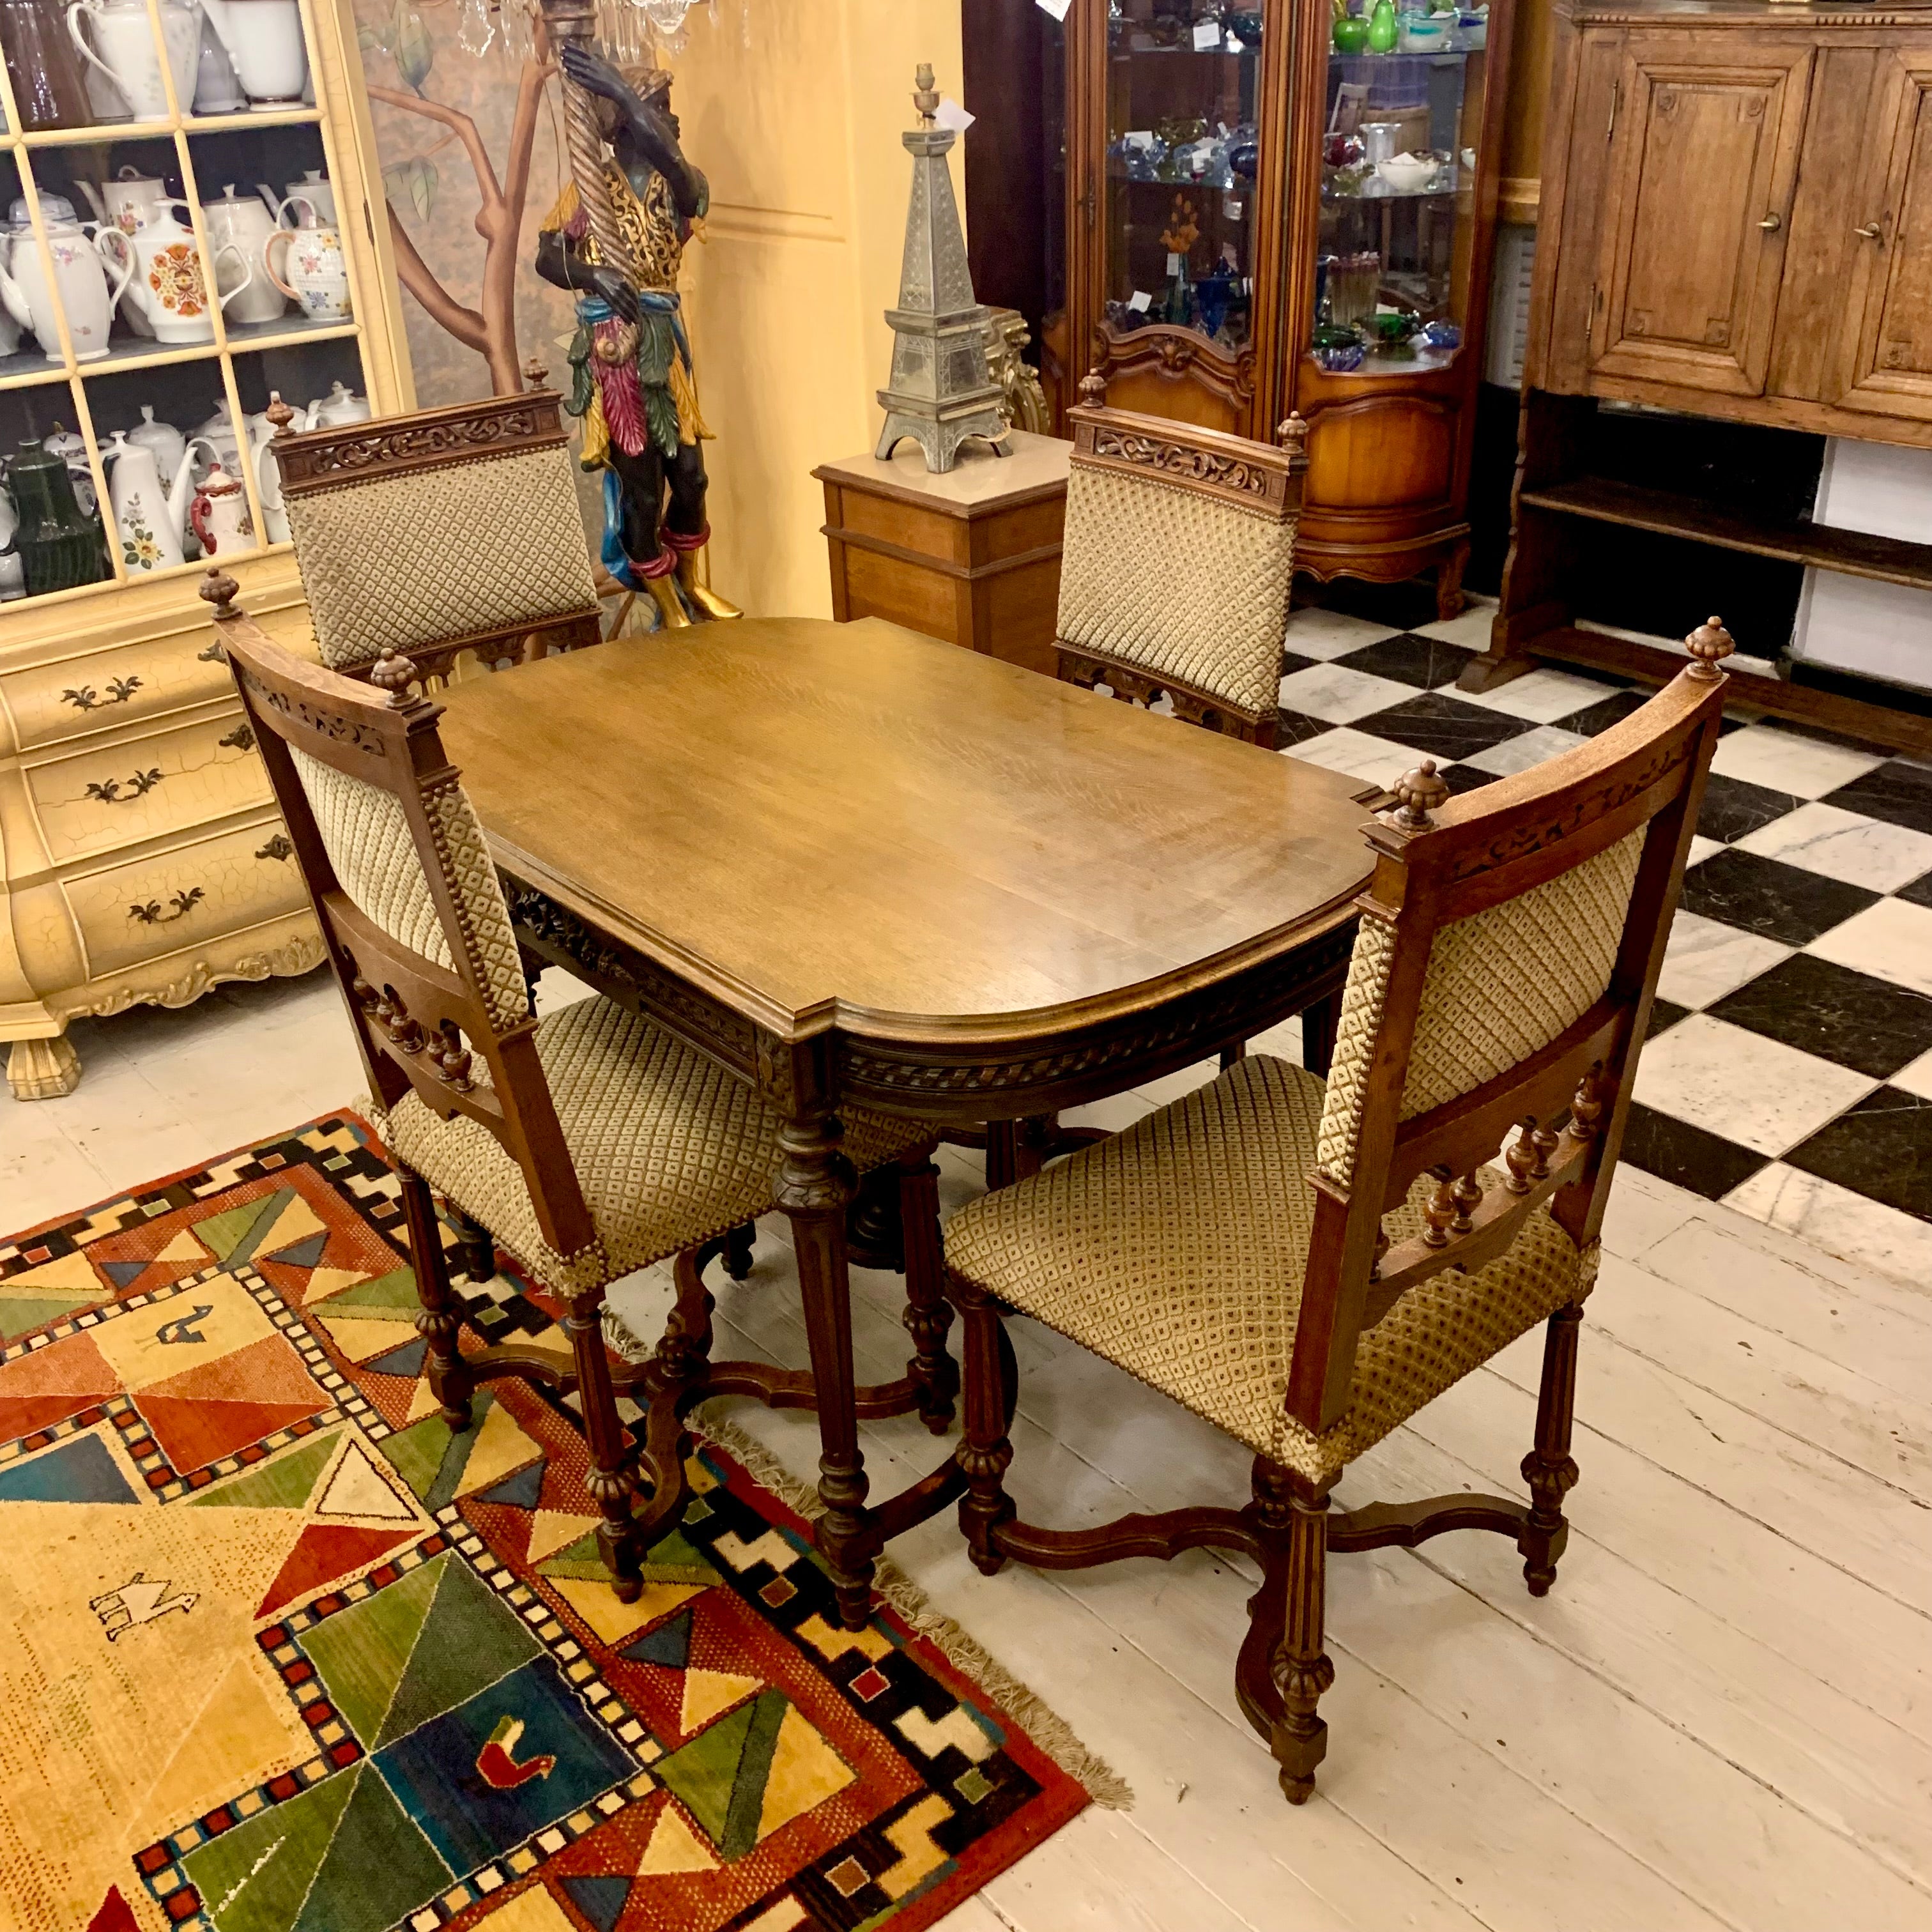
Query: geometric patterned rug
{"type": "Point", "coordinates": [279, 1653]}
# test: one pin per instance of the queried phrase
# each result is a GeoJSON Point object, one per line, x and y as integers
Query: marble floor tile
{"type": "Point", "coordinates": [1543, 695]}
{"type": "Point", "coordinates": [1891, 940]}
{"type": "Point", "coordinates": [1916, 1077]}
{"type": "Point", "coordinates": [1704, 959]}
{"type": "Point", "coordinates": [1334, 692]}
{"type": "Point", "coordinates": [1684, 1154]}
{"type": "Point", "coordinates": [1843, 845]}
{"type": "Point", "coordinates": [1898, 791]}
{"type": "Point", "coordinates": [1410, 657]}
{"type": "Point", "coordinates": [1782, 761]}
{"type": "Point", "coordinates": [1881, 1147]}
{"type": "Point", "coordinates": [1325, 634]}
{"type": "Point", "coordinates": [1732, 808]}
{"type": "Point", "coordinates": [1897, 1245]}
{"type": "Point", "coordinates": [1470, 630]}
{"type": "Point", "coordinates": [1701, 849]}
{"type": "Point", "coordinates": [1873, 1026]}
{"type": "Point", "coordinates": [1460, 779]}
{"type": "Point", "coordinates": [1755, 1092]}
{"type": "Point", "coordinates": [1768, 897]}
{"type": "Point", "coordinates": [1527, 749]}
{"type": "Point", "coordinates": [1440, 724]}
{"type": "Point", "coordinates": [1296, 727]}
{"type": "Point", "coordinates": [1604, 712]}
{"type": "Point", "coordinates": [1663, 1015]}
{"type": "Point", "coordinates": [1919, 892]}
{"type": "Point", "coordinates": [1360, 754]}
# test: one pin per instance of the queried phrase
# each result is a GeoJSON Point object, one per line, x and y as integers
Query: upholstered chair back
{"type": "Point", "coordinates": [1501, 984]}
{"type": "Point", "coordinates": [448, 530]}
{"type": "Point", "coordinates": [412, 914]}
{"type": "Point", "coordinates": [1178, 557]}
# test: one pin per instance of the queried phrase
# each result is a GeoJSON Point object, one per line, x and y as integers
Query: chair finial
{"type": "Point", "coordinates": [218, 588]}
{"type": "Point", "coordinates": [394, 674]}
{"type": "Point", "coordinates": [1710, 643]}
{"type": "Point", "coordinates": [1093, 389]}
{"type": "Point", "coordinates": [535, 373]}
{"type": "Point", "coordinates": [1420, 793]}
{"type": "Point", "coordinates": [279, 413]}
{"type": "Point", "coordinates": [1293, 436]}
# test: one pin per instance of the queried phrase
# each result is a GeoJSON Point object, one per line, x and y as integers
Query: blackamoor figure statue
{"type": "Point", "coordinates": [632, 382]}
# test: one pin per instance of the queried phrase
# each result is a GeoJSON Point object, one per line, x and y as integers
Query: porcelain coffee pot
{"type": "Point", "coordinates": [150, 519]}
{"type": "Point", "coordinates": [264, 40]}
{"type": "Point", "coordinates": [317, 267]}
{"type": "Point", "coordinates": [169, 445]}
{"type": "Point", "coordinates": [220, 514]}
{"type": "Point", "coordinates": [341, 407]}
{"type": "Point", "coordinates": [83, 271]}
{"type": "Point", "coordinates": [168, 279]}
{"type": "Point", "coordinates": [119, 29]}
{"type": "Point", "coordinates": [127, 202]}
{"type": "Point", "coordinates": [243, 223]}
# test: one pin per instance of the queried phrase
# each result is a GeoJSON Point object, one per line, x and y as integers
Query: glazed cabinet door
{"type": "Point", "coordinates": [1703, 147]}
{"type": "Point", "coordinates": [1885, 362]}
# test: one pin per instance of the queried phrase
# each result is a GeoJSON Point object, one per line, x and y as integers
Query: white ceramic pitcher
{"type": "Point", "coordinates": [126, 201]}
{"type": "Point", "coordinates": [241, 222]}
{"type": "Point", "coordinates": [87, 281]}
{"type": "Point", "coordinates": [120, 42]}
{"type": "Point", "coordinates": [264, 40]}
{"type": "Point", "coordinates": [316, 264]}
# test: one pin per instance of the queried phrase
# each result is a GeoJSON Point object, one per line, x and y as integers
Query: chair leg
{"type": "Point", "coordinates": [611, 1481]}
{"type": "Point", "coordinates": [985, 1452]}
{"type": "Point", "coordinates": [1300, 1669]}
{"type": "Point", "coordinates": [441, 1318]}
{"type": "Point", "coordinates": [929, 1314]}
{"type": "Point", "coordinates": [1549, 1468]}
{"type": "Point", "coordinates": [738, 1251]}
{"type": "Point", "coordinates": [474, 1246]}
{"type": "Point", "coordinates": [1233, 1056]}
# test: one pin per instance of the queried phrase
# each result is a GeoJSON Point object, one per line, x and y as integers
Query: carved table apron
{"type": "Point", "coordinates": [576, 764]}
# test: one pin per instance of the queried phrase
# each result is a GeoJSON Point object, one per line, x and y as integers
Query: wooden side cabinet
{"type": "Point", "coordinates": [1736, 224]}
{"type": "Point", "coordinates": [971, 556]}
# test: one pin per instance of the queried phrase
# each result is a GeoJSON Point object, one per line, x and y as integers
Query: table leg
{"type": "Point", "coordinates": [1002, 1153]}
{"type": "Point", "coordinates": [815, 1186]}
{"type": "Point", "coordinates": [929, 1314]}
{"type": "Point", "coordinates": [1318, 1024]}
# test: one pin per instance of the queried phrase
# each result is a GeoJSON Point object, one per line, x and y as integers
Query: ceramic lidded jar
{"type": "Point", "coordinates": [315, 269]}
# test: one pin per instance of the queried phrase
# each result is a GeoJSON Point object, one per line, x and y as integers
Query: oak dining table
{"type": "Point", "coordinates": [853, 865]}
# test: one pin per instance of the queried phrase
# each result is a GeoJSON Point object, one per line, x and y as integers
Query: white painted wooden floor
{"type": "Point", "coordinates": [1721, 1716]}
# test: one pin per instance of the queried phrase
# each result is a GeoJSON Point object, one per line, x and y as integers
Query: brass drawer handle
{"type": "Point", "coordinates": [1772, 222]}
{"type": "Point", "coordinates": [1871, 231]}
{"type": "Point", "coordinates": [108, 791]}
{"type": "Point", "coordinates": [183, 903]}
{"type": "Point", "coordinates": [119, 690]}
{"type": "Point", "coordinates": [277, 847]}
{"type": "Point", "coordinates": [242, 738]}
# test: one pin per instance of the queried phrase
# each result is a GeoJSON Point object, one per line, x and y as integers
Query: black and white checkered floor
{"type": "Point", "coordinates": [1789, 1068]}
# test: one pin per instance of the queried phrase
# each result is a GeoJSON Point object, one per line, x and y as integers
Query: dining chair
{"type": "Point", "coordinates": [589, 1142]}
{"type": "Point", "coordinates": [1306, 1264]}
{"type": "Point", "coordinates": [440, 532]}
{"type": "Point", "coordinates": [1178, 558]}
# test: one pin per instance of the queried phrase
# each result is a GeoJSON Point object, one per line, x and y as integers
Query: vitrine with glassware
{"type": "Point", "coordinates": [192, 229]}
{"type": "Point", "coordinates": [1288, 205]}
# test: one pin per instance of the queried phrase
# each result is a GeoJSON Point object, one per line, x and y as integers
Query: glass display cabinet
{"type": "Point", "coordinates": [192, 226]}
{"type": "Point", "coordinates": [1288, 205]}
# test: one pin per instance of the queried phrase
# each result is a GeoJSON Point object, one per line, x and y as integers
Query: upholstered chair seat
{"type": "Point", "coordinates": [1176, 1248]}
{"type": "Point", "coordinates": [669, 1150]}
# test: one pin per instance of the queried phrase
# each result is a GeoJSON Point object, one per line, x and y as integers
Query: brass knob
{"type": "Point", "coordinates": [1871, 231]}
{"type": "Point", "coordinates": [1772, 222]}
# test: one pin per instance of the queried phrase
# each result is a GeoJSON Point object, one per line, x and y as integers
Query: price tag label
{"type": "Point", "coordinates": [1057, 8]}
{"type": "Point", "coordinates": [1208, 37]}
{"type": "Point", "coordinates": [1232, 209]}
{"type": "Point", "coordinates": [1140, 301]}
{"type": "Point", "coordinates": [1137, 138]}
{"type": "Point", "coordinates": [952, 115]}
{"type": "Point", "coordinates": [1175, 263]}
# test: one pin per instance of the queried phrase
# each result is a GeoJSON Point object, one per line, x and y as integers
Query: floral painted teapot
{"type": "Point", "coordinates": [168, 281]}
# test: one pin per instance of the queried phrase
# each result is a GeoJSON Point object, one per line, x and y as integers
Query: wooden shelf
{"type": "Point", "coordinates": [1848, 553]}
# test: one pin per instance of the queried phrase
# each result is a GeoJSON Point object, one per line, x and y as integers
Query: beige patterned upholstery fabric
{"type": "Point", "coordinates": [1501, 985]}
{"type": "Point", "coordinates": [1176, 584]}
{"type": "Point", "coordinates": [669, 1149]}
{"type": "Point", "coordinates": [1176, 1249]}
{"type": "Point", "coordinates": [402, 562]}
{"type": "Point", "coordinates": [375, 860]}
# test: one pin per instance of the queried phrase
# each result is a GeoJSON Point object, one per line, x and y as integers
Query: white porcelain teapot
{"type": "Point", "coordinates": [242, 221]}
{"type": "Point", "coordinates": [127, 202]}
{"type": "Point", "coordinates": [150, 519]}
{"type": "Point", "coordinates": [168, 280]}
{"type": "Point", "coordinates": [83, 271]}
{"type": "Point", "coordinates": [220, 514]}
{"type": "Point", "coordinates": [264, 40]}
{"type": "Point", "coordinates": [119, 29]}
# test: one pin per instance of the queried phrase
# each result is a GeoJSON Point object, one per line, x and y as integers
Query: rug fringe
{"type": "Point", "coordinates": [1024, 1705]}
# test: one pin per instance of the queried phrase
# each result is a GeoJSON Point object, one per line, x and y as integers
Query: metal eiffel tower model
{"type": "Point", "coordinates": [939, 393]}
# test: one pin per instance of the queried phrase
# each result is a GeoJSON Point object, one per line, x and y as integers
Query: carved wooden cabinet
{"type": "Point", "coordinates": [1736, 223]}
{"type": "Point", "coordinates": [1229, 232]}
{"type": "Point", "coordinates": [141, 856]}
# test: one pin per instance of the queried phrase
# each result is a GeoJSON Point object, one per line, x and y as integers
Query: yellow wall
{"type": "Point", "coordinates": [799, 133]}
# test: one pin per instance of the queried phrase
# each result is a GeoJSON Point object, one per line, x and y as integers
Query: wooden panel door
{"type": "Point", "coordinates": [1885, 357]}
{"type": "Point", "coordinates": [1703, 160]}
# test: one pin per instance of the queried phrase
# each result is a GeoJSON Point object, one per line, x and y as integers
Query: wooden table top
{"type": "Point", "coordinates": [817, 822]}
